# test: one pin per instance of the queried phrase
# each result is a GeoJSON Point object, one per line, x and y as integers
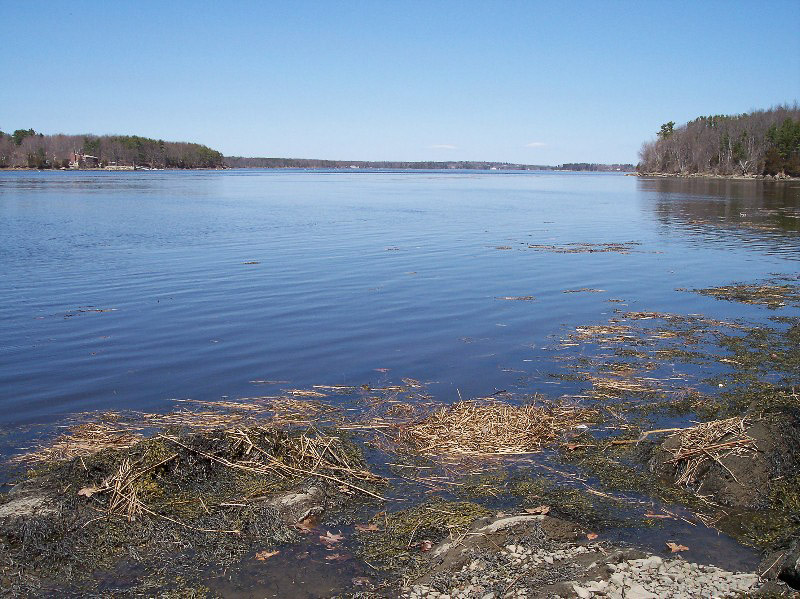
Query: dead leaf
{"type": "Point", "coordinates": [361, 581]}
{"type": "Point", "coordinates": [425, 545]}
{"type": "Point", "coordinates": [542, 509]}
{"type": "Point", "coordinates": [306, 525]}
{"type": "Point", "coordinates": [88, 491]}
{"type": "Point", "coordinates": [657, 516]}
{"type": "Point", "coordinates": [337, 557]}
{"type": "Point", "coordinates": [675, 547]}
{"type": "Point", "coordinates": [591, 536]}
{"type": "Point", "coordinates": [331, 539]}
{"type": "Point", "coordinates": [366, 527]}
{"type": "Point", "coordinates": [265, 555]}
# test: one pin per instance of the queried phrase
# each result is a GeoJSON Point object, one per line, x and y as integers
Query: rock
{"type": "Point", "coordinates": [652, 562]}
{"type": "Point", "coordinates": [581, 592]}
{"type": "Point", "coordinates": [637, 591]}
{"type": "Point", "coordinates": [777, 440]}
{"type": "Point", "coordinates": [26, 500]}
{"type": "Point", "coordinates": [790, 568]}
{"type": "Point", "coordinates": [299, 505]}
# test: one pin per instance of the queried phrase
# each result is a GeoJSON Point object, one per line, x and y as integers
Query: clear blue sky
{"type": "Point", "coordinates": [531, 82]}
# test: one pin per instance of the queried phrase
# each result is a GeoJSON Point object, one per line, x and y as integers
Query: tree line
{"type": "Point", "coordinates": [25, 148]}
{"type": "Point", "coordinates": [242, 162]}
{"type": "Point", "coordinates": [763, 142]}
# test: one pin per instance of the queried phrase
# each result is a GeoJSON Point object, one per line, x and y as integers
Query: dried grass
{"type": "Point", "coordinates": [83, 440]}
{"type": "Point", "coordinates": [301, 455]}
{"type": "Point", "coordinates": [709, 442]}
{"type": "Point", "coordinates": [478, 428]}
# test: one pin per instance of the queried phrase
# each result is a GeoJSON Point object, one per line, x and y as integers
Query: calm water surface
{"type": "Point", "coordinates": [126, 290]}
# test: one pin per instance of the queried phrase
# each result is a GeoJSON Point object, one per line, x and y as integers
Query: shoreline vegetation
{"type": "Point", "coordinates": [761, 144]}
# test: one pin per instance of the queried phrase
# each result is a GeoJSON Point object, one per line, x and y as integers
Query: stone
{"type": "Point", "coordinates": [637, 591]}
{"type": "Point", "coordinates": [581, 592]}
{"type": "Point", "coordinates": [790, 568]}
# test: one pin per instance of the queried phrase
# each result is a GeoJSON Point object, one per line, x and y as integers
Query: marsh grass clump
{"type": "Point", "coordinates": [175, 504]}
{"type": "Point", "coordinates": [404, 537]}
{"type": "Point", "coordinates": [493, 427]}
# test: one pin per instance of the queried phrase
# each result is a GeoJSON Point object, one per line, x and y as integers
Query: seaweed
{"type": "Point", "coordinates": [182, 504]}
{"type": "Point", "coordinates": [404, 536]}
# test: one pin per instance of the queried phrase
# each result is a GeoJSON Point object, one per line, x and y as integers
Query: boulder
{"type": "Point", "coordinates": [741, 478]}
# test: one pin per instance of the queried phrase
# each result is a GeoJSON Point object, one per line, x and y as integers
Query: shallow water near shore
{"type": "Point", "coordinates": [126, 291]}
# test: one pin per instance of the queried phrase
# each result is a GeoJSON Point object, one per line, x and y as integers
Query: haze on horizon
{"type": "Point", "coordinates": [523, 82]}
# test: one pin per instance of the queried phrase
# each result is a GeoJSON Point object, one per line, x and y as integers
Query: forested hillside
{"type": "Point", "coordinates": [25, 148]}
{"type": "Point", "coordinates": [763, 142]}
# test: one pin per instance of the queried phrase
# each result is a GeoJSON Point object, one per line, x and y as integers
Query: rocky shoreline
{"type": "Point", "coordinates": [538, 557]}
{"type": "Point", "coordinates": [778, 177]}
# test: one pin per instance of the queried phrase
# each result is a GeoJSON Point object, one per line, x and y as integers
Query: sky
{"type": "Point", "coordinates": [526, 82]}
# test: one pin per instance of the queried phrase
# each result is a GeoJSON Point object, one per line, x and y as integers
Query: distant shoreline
{"type": "Point", "coordinates": [128, 169]}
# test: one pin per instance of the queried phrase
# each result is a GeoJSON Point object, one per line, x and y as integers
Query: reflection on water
{"type": "Point", "coordinates": [765, 213]}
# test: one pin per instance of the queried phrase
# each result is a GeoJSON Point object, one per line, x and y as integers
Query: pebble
{"type": "Point", "coordinates": [488, 575]}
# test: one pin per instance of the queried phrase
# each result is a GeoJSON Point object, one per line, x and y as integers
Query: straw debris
{"type": "Point", "coordinates": [83, 440]}
{"type": "Point", "coordinates": [706, 443]}
{"type": "Point", "coordinates": [477, 428]}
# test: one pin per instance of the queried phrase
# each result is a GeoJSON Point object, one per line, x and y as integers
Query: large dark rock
{"type": "Point", "coordinates": [742, 479]}
{"type": "Point", "coordinates": [790, 567]}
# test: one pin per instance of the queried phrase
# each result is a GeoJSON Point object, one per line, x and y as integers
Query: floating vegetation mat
{"type": "Point", "coordinates": [649, 356]}
{"type": "Point", "coordinates": [709, 442]}
{"type": "Point", "coordinates": [518, 298]}
{"type": "Point", "coordinates": [774, 293]}
{"type": "Point", "coordinates": [476, 428]}
{"type": "Point", "coordinates": [587, 248]}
